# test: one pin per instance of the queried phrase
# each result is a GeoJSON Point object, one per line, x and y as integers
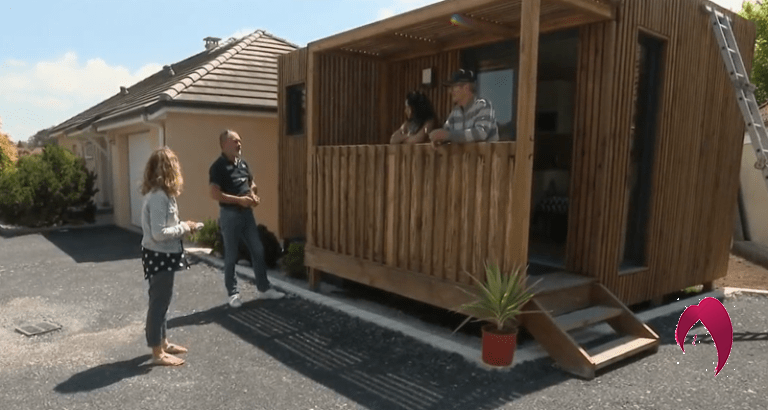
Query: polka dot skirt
{"type": "Point", "coordinates": [155, 262]}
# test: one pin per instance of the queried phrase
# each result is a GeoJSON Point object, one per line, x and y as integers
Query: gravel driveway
{"type": "Point", "coordinates": [294, 354]}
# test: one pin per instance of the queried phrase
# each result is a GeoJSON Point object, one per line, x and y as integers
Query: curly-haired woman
{"type": "Point", "coordinates": [162, 251]}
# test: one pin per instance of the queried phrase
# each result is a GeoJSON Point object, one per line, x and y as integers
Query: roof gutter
{"type": "Point", "coordinates": [160, 127]}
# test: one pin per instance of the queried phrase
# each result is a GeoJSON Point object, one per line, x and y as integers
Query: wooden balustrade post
{"type": "Point", "coordinates": [526, 110]}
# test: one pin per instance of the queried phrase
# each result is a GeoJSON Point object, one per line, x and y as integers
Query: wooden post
{"type": "Point", "coordinates": [526, 110]}
{"type": "Point", "coordinates": [313, 127]}
{"type": "Point", "coordinates": [313, 278]}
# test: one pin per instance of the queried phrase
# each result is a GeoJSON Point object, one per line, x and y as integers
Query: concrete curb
{"type": "Point", "coordinates": [441, 338]}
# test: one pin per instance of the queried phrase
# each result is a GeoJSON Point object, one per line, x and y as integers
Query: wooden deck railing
{"type": "Point", "coordinates": [435, 211]}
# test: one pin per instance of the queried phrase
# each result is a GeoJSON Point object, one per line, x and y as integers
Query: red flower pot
{"type": "Point", "coordinates": [498, 346]}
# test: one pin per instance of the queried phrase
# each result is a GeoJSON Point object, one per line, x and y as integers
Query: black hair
{"type": "Point", "coordinates": [421, 108]}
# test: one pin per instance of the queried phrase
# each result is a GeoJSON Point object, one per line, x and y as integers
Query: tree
{"type": "Point", "coordinates": [8, 152]}
{"type": "Point", "coordinates": [758, 12]}
{"type": "Point", "coordinates": [41, 139]}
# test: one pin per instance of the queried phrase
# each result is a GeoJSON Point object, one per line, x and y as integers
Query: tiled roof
{"type": "Point", "coordinates": [240, 74]}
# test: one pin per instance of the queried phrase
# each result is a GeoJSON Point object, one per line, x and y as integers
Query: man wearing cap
{"type": "Point", "coordinates": [472, 118]}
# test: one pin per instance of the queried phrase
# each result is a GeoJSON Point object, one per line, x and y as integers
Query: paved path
{"type": "Point", "coordinates": [297, 354]}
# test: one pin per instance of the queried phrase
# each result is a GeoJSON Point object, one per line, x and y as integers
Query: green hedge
{"type": "Point", "coordinates": [48, 189]}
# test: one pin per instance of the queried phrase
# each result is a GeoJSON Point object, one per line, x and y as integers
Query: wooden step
{"type": "Point", "coordinates": [619, 349]}
{"type": "Point", "coordinates": [557, 281]}
{"type": "Point", "coordinates": [585, 317]}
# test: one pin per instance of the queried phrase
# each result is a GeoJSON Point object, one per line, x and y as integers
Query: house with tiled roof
{"type": "Point", "coordinates": [185, 106]}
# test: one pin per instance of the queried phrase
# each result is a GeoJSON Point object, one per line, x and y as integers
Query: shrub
{"type": "Point", "coordinates": [48, 189]}
{"type": "Point", "coordinates": [209, 236]}
{"type": "Point", "coordinates": [293, 261]}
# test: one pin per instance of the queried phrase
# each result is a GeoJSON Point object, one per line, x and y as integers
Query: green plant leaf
{"type": "Point", "coordinates": [499, 298]}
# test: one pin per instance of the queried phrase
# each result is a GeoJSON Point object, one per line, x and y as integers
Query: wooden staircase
{"type": "Point", "coordinates": [564, 303]}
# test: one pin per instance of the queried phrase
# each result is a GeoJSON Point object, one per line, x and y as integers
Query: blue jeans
{"type": "Point", "coordinates": [160, 293]}
{"type": "Point", "coordinates": [239, 224]}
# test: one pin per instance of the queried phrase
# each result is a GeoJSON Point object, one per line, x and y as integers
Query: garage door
{"type": "Point", "coordinates": [139, 148]}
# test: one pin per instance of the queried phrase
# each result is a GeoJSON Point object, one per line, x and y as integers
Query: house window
{"type": "Point", "coordinates": [496, 67]}
{"type": "Point", "coordinates": [295, 109]}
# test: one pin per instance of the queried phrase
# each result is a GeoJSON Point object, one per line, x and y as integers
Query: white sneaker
{"type": "Point", "coordinates": [235, 301]}
{"type": "Point", "coordinates": [269, 294]}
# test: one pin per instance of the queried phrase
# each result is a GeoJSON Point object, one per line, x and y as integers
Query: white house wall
{"type": "Point", "coordinates": [755, 196]}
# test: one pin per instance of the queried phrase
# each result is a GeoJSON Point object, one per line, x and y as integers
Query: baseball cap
{"type": "Point", "coordinates": [461, 76]}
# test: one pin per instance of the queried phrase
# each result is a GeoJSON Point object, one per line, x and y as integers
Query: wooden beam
{"type": "Point", "coordinates": [400, 22]}
{"type": "Point", "coordinates": [567, 22]}
{"type": "Point", "coordinates": [545, 26]}
{"type": "Point", "coordinates": [472, 42]}
{"type": "Point", "coordinates": [589, 6]}
{"type": "Point", "coordinates": [313, 128]}
{"type": "Point", "coordinates": [526, 110]}
{"type": "Point", "coordinates": [414, 285]}
{"type": "Point", "coordinates": [415, 43]}
{"type": "Point", "coordinates": [354, 55]}
{"type": "Point", "coordinates": [488, 27]}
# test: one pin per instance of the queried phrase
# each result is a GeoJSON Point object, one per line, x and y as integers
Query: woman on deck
{"type": "Point", "coordinates": [162, 252]}
{"type": "Point", "coordinates": [419, 122]}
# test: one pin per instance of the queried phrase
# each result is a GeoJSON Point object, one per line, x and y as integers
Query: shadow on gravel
{"type": "Point", "coordinates": [98, 244]}
{"type": "Point", "coordinates": [373, 366]}
{"type": "Point", "coordinates": [104, 375]}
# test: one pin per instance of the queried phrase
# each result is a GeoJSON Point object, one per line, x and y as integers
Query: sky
{"type": "Point", "coordinates": [59, 58]}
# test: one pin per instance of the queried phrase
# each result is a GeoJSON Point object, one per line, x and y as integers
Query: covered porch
{"type": "Point", "coordinates": [411, 219]}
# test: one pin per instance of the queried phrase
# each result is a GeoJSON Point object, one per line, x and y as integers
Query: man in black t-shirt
{"type": "Point", "coordinates": [233, 187]}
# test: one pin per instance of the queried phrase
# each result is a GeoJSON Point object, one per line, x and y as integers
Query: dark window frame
{"type": "Point", "coordinates": [647, 104]}
{"type": "Point", "coordinates": [296, 109]}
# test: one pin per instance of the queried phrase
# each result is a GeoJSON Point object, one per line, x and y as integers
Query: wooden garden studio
{"type": "Point", "coordinates": [620, 135]}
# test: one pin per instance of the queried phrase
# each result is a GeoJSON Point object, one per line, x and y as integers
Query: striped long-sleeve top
{"type": "Point", "coordinates": [475, 124]}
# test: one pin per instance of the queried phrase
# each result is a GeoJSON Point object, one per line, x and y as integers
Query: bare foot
{"type": "Point", "coordinates": [174, 349]}
{"type": "Point", "coordinates": [167, 360]}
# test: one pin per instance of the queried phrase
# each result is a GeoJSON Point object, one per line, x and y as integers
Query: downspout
{"type": "Point", "coordinates": [159, 127]}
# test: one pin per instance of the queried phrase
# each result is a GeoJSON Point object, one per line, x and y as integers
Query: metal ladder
{"type": "Point", "coordinates": [745, 91]}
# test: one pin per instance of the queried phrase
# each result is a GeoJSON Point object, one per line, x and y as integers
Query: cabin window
{"type": "Point", "coordinates": [496, 68]}
{"type": "Point", "coordinates": [295, 109]}
{"type": "Point", "coordinates": [647, 90]}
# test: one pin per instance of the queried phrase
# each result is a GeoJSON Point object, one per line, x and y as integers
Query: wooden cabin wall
{"type": "Point", "coordinates": [405, 76]}
{"type": "Point", "coordinates": [696, 159]}
{"type": "Point", "coordinates": [292, 184]}
{"type": "Point", "coordinates": [349, 101]}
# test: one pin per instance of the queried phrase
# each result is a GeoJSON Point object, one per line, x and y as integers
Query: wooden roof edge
{"type": "Point", "coordinates": [599, 9]}
{"type": "Point", "coordinates": [398, 22]}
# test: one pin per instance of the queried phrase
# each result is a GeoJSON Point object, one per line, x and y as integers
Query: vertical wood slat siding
{"type": "Point", "coordinates": [349, 104]}
{"type": "Point", "coordinates": [490, 164]}
{"type": "Point", "coordinates": [698, 142]}
{"type": "Point", "coordinates": [292, 152]}
{"type": "Point", "coordinates": [405, 76]}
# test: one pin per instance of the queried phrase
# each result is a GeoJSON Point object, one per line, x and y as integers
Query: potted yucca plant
{"type": "Point", "coordinates": [498, 300]}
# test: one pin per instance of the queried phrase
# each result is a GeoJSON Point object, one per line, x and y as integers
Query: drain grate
{"type": "Point", "coordinates": [37, 328]}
